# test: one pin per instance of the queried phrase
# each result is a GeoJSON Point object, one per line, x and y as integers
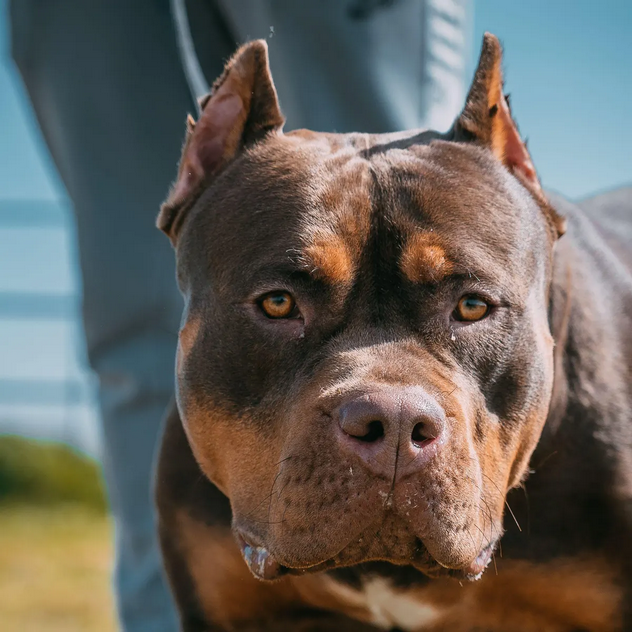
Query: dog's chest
{"type": "Point", "coordinates": [387, 606]}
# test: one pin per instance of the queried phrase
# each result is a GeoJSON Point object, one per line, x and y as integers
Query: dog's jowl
{"type": "Point", "coordinates": [403, 378]}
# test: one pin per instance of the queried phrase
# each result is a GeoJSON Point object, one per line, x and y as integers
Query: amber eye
{"type": "Point", "coordinates": [278, 305]}
{"type": "Point", "coordinates": [471, 308]}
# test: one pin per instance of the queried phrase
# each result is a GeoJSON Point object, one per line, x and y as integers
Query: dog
{"type": "Point", "coordinates": [403, 379]}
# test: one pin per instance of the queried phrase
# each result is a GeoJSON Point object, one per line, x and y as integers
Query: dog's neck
{"type": "Point", "coordinates": [560, 310]}
{"type": "Point", "coordinates": [590, 384]}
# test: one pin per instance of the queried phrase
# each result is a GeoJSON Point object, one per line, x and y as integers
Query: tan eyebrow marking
{"type": "Point", "coordinates": [186, 339]}
{"type": "Point", "coordinates": [424, 259]}
{"type": "Point", "coordinates": [333, 235]}
{"type": "Point", "coordinates": [330, 258]}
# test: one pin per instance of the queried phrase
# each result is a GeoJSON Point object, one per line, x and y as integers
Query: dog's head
{"type": "Point", "coordinates": [365, 363]}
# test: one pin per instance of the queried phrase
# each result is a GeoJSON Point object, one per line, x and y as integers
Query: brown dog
{"type": "Point", "coordinates": [379, 330]}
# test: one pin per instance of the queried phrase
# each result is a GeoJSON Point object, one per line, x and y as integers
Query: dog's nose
{"type": "Point", "coordinates": [394, 431]}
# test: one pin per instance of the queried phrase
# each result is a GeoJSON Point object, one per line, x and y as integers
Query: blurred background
{"type": "Point", "coordinates": [569, 71]}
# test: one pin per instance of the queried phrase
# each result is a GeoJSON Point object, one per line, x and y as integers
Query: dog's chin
{"type": "Point", "coordinates": [268, 565]}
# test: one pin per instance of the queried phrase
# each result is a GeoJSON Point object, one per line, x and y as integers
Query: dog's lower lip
{"type": "Point", "coordinates": [264, 566]}
{"type": "Point", "coordinates": [261, 563]}
{"type": "Point", "coordinates": [321, 566]}
{"type": "Point", "coordinates": [475, 570]}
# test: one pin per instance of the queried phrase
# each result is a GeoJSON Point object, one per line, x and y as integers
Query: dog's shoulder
{"type": "Point", "coordinates": [613, 206]}
{"type": "Point", "coordinates": [611, 214]}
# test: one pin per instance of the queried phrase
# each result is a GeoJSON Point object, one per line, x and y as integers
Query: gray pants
{"type": "Point", "coordinates": [106, 80]}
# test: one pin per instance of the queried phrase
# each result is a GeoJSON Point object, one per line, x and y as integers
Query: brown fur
{"type": "Point", "coordinates": [563, 596]}
{"type": "Point", "coordinates": [377, 237]}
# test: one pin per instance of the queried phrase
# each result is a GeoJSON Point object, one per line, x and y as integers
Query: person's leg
{"type": "Point", "coordinates": [362, 65]}
{"type": "Point", "coordinates": [106, 82]}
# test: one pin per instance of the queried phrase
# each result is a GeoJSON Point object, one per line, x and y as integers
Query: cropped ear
{"type": "Point", "coordinates": [486, 118]}
{"type": "Point", "coordinates": [240, 110]}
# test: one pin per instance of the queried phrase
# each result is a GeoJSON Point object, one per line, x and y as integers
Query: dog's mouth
{"type": "Point", "coordinates": [264, 565]}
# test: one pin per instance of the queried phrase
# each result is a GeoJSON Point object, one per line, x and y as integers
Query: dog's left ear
{"type": "Point", "coordinates": [241, 109]}
{"type": "Point", "coordinates": [486, 118]}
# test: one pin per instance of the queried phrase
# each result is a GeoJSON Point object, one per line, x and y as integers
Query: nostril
{"type": "Point", "coordinates": [374, 431]}
{"type": "Point", "coordinates": [419, 436]}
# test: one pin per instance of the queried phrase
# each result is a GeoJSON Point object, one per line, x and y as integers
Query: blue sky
{"type": "Point", "coordinates": [568, 68]}
{"type": "Point", "coordinates": [569, 71]}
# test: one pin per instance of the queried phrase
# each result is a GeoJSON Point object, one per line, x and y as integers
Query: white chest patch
{"type": "Point", "coordinates": [389, 607]}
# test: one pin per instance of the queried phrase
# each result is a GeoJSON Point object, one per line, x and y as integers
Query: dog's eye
{"type": "Point", "coordinates": [471, 308]}
{"type": "Point", "coordinates": [278, 305]}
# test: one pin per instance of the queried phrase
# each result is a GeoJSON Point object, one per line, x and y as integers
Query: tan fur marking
{"type": "Point", "coordinates": [226, 590]}
{"type": "Point", "coordinates": [560, 596]}
{"type": "Point", "coordinates": [333, 240]}
{"type": "Point", "coordinates": [331, 259]}
{"type": "Point", "coordinates": [228, 593]}
{"type": "Point", "coordinates": [221, 449]}
{"type": "Point", "coordinates": [322, 592]}
{"type": "Point", "coordinates": [424, 260]}
{"type": "Point", "coordinates": [186, 339]}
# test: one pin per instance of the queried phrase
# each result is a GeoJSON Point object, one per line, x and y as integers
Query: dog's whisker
{"type": "Point", "coordinates": [269, 496]}
{"type": "Point", "coordinates": [513, 515]}
{"type": "Point", "coordinates": [526, 496]}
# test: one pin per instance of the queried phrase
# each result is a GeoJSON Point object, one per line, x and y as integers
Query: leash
{"type": "Point", "coordinates": [198, 85]}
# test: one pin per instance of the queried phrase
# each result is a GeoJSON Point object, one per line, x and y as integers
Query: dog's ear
{"type": "Point", "coordinates": [486, 118]}
{"type": "Point", "coordinates": [241, 109]}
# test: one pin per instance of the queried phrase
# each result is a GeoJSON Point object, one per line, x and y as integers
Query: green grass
{"type": "Point", "coordinates": [47, 473]}
{"type": "Point", "coordinates": [55, 541]}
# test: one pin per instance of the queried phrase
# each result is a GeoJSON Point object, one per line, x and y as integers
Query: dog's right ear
{"type": "Point", "coordinates": [241, 109]}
